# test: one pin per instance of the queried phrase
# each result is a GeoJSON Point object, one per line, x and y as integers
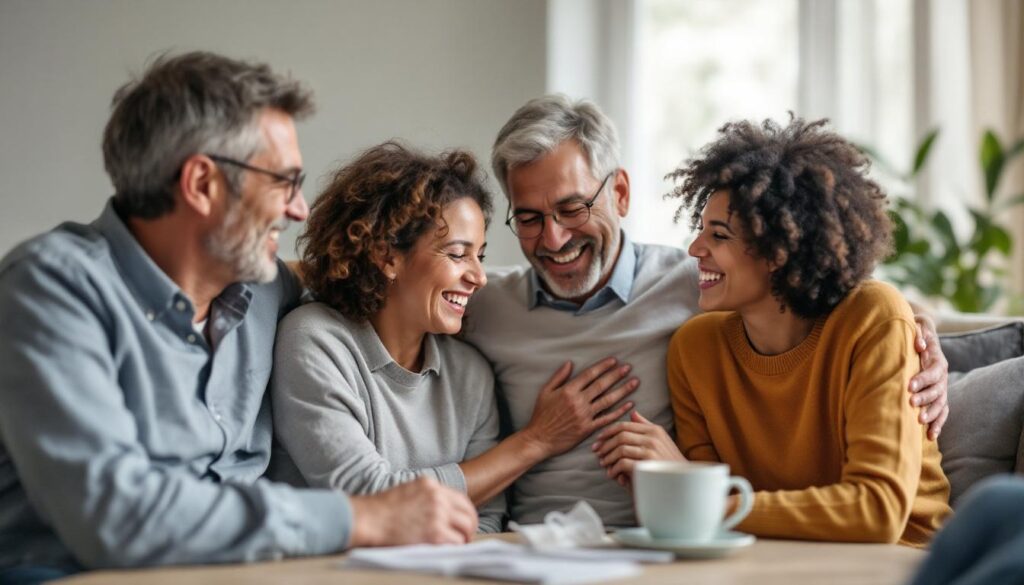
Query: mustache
{"type": "Point", "coordinates": [568, 247]}
{"type": "Point", "coordinates": [280, 225]}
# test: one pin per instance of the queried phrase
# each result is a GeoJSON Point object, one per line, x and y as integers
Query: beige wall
{"type": "Point", "coordinates": [438, 73]}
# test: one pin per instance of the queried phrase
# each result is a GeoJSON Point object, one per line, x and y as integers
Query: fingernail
{"type": "Point", "coordinates": [595, 446]}
{"type": "Point", "coordinates": [916, 400]}
{"type": "Point", "coordinates": [913, 386]}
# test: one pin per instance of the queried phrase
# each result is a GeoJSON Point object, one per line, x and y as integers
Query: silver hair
{"type": "Point", "coordinates": [184, 105]}
{"type": "Point", "coordinates": [544, 123]}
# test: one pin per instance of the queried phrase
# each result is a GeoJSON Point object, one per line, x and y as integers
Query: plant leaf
{"type": "Point", "coordinates": [923, 151]}
{"type": "Point", "coordinates": [1014, 150]}
{"type": "Point", "coordinates": [1011, 202]}
{"type": "Point", "coordinates": [883, 163]}
{"type": "Point", "coordinates": [1001, 239]}
{"type": "Point", "coordinates": [991, 162]}
{"type": "Point", "coordinates": [944, 229]}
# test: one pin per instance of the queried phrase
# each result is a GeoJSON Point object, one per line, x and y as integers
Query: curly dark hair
{"type": "Point", "coordinates": [806, 204]}
{"type": "Point", "coordinates": [380, 203]}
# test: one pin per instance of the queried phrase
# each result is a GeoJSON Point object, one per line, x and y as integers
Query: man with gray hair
{"type": "Point", "coordinates": [591, 292]}
{"type": "Point", "coordinates": [134, 422]}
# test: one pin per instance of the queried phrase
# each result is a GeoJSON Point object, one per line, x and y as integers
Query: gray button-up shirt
{"type": "Point", "coordinates": [126, 438]}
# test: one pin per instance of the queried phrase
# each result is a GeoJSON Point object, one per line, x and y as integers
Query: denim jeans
{"type": "Point", "coordinates": [984, 542]}
{"type": "Point", "coordinates": [30, 575]}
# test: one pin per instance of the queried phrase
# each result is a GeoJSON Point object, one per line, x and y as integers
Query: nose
{"type": "Point", "coordinates": [297, 209]}
{"type": "Point", "coordinates": [476, 275]}
{"type": "Point", "coordinates": [698, 249]}
{"type": "Point", "coordinates": [553, 235]}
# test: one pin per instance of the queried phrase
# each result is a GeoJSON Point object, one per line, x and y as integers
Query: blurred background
{"type": "Point", "coordinates": [931, 89]}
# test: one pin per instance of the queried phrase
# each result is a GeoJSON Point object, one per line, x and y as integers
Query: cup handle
{"type": "Point", "coordinates": [746, 501]}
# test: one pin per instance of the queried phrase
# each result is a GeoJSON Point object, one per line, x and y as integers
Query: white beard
{"type": "Point", "coordinates": [240, 243]}
{"type": "Point", "coordinates": [585, 284]}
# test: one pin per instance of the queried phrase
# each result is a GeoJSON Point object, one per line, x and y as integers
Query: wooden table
{"type": "Point", "coordinates": [767, 562]}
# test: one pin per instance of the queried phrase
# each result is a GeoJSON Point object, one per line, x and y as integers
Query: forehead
{"type": "Point", "coordinates": [717, 206]}
{"type": "Point", "coordinates": [280, 139]}
{"type": "Point", "coordinates": [464, 218]}
{"type": "Point", "coordinates": [563, 172]}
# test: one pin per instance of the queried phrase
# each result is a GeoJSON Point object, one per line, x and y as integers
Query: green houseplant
{"type": "Point", "coordinates": [929, 256]}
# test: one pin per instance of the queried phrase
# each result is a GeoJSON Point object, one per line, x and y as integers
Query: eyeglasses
{"type": "Point", "coordinates": [294, 180]}
{"type": "Point", "coordinates": [527, 225]}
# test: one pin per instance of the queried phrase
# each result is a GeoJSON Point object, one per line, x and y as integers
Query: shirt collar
{"type": "Point", "coordinates": [620, 285]}
{"type": "Point", "coordinates": [378, 358]}
{"type": "Point", "coordinates": [156, 292]}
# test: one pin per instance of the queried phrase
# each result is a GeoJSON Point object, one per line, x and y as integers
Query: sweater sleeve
{"type": "Point", "coordinates": [485, 437]}
{"type": "Point", "coordinates": [883, 454]}
{"type": "Point", "coordinates": [692, 435]}
{"type": "Point", "coordinates": [322, 420]}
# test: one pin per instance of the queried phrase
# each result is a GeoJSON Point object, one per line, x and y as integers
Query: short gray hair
{"type": "Point", "coordinates": [183, 105]}
{"type": "Point", "coordinates": [544, 123]}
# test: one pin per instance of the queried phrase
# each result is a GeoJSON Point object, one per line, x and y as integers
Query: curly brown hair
{"type": "Point", "coordinates": [802, 195]}
{"type": "Point", "coordinates": [380, 203]}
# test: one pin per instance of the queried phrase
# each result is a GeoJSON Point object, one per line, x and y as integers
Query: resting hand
{"type": "Point", "coordinates": [566, 412]}
{"type": "Point", "coordinates": [929, 387]}
{"type": "Point", "coordinates": [420, 511]}
{"type": "Point", "coordinates": [620, 446]}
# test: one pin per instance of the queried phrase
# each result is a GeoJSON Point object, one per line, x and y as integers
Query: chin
{"type": "Point", "coordinates": [708, 305]}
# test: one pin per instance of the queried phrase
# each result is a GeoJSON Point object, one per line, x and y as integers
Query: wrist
{"type": "Point", "coordinates": [531, 446]}
{"type": "Point", "coordinates": [366, 522]}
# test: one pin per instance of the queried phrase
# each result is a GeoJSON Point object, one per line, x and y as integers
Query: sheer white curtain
{"type": "Point", "coordinates": [997, 93]}
{"type": "Point", "coordinates": [884, 71]}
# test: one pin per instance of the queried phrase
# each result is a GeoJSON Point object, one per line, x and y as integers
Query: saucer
{"type": "Point", "coordinates": [724, 543]}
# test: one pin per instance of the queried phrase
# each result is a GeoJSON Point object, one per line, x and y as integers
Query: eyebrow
{"type": "Point", "coordinates": [719, 223]}
{"type": "Point", "coordinates": [465, 243]}
{"type": "Point", "coordinates": [567, 199]}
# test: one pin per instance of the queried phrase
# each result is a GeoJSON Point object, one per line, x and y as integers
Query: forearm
{"type": "Point", "coordinates": [114, 508]}
{"type": "Point", "coordinates": [849, 512]}
{"type": "Point", "coordinates": [488, 474]}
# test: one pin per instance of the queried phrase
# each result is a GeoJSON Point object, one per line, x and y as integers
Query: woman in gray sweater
{"type": "Point", "coordinates": [369, 388]}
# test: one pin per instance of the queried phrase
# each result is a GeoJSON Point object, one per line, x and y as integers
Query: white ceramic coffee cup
{"type": "Point", "coordinates": [686, 500]}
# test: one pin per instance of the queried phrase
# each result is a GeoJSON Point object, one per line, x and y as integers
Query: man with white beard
{"type": "Point", "coordinates": [134, 423]}
{"type": "Point", "coordinates": [591, 293]}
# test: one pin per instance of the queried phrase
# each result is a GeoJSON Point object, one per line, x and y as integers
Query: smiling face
{"type": "Point", "coordinates": [573, 263]}
{"type": "Point", "coordinates": [731, 277]}
{"type": "Point", "coordinates": [434, 280]}
{"type": "Point", "coordinates": [247, 238]}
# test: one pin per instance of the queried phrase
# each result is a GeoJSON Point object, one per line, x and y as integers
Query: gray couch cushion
{"type": "Point", "coordinates": [983, 435]}
{"type": "Point", "coordinates": [975, 349]}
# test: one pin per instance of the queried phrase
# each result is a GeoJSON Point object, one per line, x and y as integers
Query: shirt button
{"type": "Point", "coordinates": [180, 305]}
{"type": "Point", "coordinates": [150, 315]}
{"type": "Point", "coordinates": [191, 338]}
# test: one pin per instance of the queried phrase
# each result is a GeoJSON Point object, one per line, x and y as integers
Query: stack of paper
{"type": "Point", "coordinates": [495, 559]}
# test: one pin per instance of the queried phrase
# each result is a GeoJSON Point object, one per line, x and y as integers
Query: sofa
{"type": "Point", "coordinates": [984, 435]}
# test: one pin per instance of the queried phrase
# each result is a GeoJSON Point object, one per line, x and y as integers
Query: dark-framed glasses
{"type": "Point", "coordinates": [294, 180]}
{"type": "Point", "coordinates": [527, 225]}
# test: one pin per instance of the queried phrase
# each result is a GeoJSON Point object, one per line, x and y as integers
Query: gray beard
{"type": "Point", "coordinates": [585, 286]}
{"type": "Point", "coordinates": [238, 242]}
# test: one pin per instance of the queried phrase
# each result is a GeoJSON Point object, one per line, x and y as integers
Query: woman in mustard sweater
{"type": "Point", "coordinates": [795, 376]}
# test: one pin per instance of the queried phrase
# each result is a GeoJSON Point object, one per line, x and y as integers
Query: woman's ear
{"type": "Point", "coordinates": [390, 263]}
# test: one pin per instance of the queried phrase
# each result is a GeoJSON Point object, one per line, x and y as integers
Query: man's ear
{"type": "Point", "coordinates": [620, 189]}
{"type": "Point", "coordinates": [198, 185]}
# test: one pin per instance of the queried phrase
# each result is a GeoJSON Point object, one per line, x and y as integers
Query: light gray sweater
{"type": "Point", "coordinates": [527, 343]}
{"type": "Point", "coordinates": [353, 419]}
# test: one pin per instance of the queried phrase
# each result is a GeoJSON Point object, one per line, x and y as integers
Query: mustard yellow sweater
{"type": "Point", "coordinates": [824, 432]}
